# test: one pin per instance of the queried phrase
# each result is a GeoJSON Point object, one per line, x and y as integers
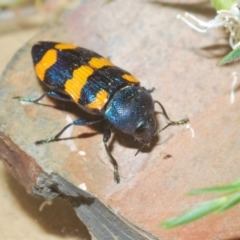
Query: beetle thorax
{"type": "Point", "coordinates": [132, 111]}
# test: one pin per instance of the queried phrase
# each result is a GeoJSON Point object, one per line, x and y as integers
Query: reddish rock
{"type": "Point", "coordinates": [147, 40]}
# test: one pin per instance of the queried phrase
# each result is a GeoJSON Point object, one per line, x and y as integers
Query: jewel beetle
{"type": "Point", "coordinates": [98, 87]}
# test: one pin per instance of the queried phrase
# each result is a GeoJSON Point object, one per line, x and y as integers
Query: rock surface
{"type": "Point", "coordinates": [145, 39]}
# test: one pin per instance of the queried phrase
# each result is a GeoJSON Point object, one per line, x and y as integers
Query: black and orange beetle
{"type": "Point", "coordinates": [98, 87]}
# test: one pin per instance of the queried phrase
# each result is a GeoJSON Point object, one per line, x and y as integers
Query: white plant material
{"type": "Point", "coordinates": [229, 19]}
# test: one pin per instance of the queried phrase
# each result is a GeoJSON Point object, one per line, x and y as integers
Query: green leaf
{"type": "Point", "coordinates": [195, 213]}
{"type": "Point", "coordinates": [235, 186]}
{"type": "Point", "coordinates": [230, 198]}
{"type": "Point", "coordinates": [234, 55]}
{"type": "Point", "coordinates": [232, 201]}
{"type": "Point", "coordinates": [223, 4]}
{"type": "Point", "coordinates": [9, 3]}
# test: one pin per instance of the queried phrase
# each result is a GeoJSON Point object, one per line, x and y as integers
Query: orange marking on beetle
{"type": "Point", "coordinates": [99, 101]}
{"type": "Point", "coordinates": [74, 85]}
{"type": "Point", "coordinates": [129, 78]}
{"type": "Point", "coordinates": [63, 46]}
{"type": "Point", "coordinates": [99, 62]}
{"type": "Point", "coordinates": [48, 59]}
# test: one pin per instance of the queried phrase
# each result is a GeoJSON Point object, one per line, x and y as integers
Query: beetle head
{"type": "Point", "coordinates": [145, 130]}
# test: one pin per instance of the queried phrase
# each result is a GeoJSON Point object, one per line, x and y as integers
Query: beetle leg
{"type": "Point", "coordinates": [140, 149]}
{"type": "Point", "coordinates": [171, 123]}
{"type": "Point", "coordinates": [151, 89]}
{"type": "Point", "coordinates": [81, 122]}
{"type": "Point", "coordinates": [106, 137]}
{"type": "Point", "coordinates": [54, 94]}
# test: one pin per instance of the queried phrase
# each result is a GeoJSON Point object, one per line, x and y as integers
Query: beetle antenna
{"type": "Point", "coordinates": [139, 150]}
{"type": "Point", "coordinates": [171, 123]}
